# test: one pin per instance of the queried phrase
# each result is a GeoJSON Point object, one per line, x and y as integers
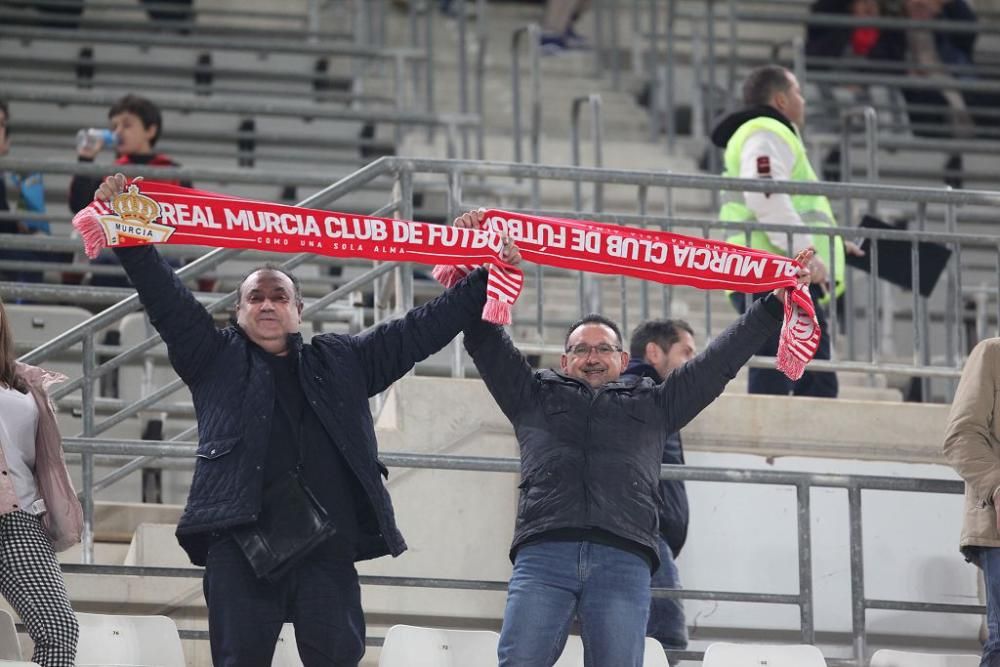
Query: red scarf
{"type": "Point", "coordinates": [194, 217]}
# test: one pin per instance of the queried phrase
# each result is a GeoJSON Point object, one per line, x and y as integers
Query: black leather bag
{"type": "Point", "coordinates": [291, 524]}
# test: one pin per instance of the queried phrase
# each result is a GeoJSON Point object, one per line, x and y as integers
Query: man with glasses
{"type": "Point", "coordinates": [591, 442]}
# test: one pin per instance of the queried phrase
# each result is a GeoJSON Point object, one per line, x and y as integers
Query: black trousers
{"type": "Point", "coordinates": [321, 597]}
{"type": "Point", "coordinates": [822, 384]}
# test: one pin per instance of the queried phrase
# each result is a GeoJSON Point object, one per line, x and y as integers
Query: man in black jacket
{"type": "Point", "coordinates": [269, 404]}
{"type": "Point", "coordinates": [657, 348]}
{"type": "Point", "coordinates": [591, 443]}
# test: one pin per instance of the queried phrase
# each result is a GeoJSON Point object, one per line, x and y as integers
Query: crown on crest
{"type": "Point", "coordinates": [135, 207]}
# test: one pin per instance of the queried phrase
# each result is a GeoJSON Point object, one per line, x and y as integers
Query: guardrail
{"type": "Point", "coordinates": [402, 172]}
{"type": "Point", "coordinates": [803, 483]}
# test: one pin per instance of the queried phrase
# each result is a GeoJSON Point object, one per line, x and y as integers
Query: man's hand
{"type": "Point", "coordinates": [804, 277]}
{"type": "Point", "coordinates": [470, 219]}
{"type": "Point", "coordinates": [852, 248]}
{"type": "Point", "coordinates": [111, 187]}
{"type": "Point", "coordinates": [817, 268]}
{"type": "Point", "coordinates": [474, 219]}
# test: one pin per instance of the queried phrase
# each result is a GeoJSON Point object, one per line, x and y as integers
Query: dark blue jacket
{"type": "Point", "coordinates": [234, 397]}
{"type": "Point", "coordinates": [674, 510]}
{"type": "Point", "coordinates": [590, 458]}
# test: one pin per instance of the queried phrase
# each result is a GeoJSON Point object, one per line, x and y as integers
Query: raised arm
{"type": "Point", "coordinates": [186, 327]}
{"type": "Point", "coordinates": [689, 389]}
{"type": "Point", "coordinates": [970, 436]}
{"type": "Point", "coordinates": [501, 365]}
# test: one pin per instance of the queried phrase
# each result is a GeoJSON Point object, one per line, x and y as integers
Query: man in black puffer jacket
{"type": "Point", "coordinates": [269, 404]}
{"type": "Point", "coordinates": [657, 348]}
{"type": "Point", "coordinates": [585, 539]}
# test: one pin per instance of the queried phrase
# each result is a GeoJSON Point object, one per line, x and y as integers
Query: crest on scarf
{"type": "Point", "coordinates": [134, 217]}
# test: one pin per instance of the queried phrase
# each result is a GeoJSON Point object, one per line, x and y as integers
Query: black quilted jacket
{"type": "Point", "coordinates": [234, 397]}
{"type": "Point", "coordinates": [590, 458]}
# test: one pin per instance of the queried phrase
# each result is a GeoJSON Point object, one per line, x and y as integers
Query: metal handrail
{"type": "Point", "coordinates": [93, 5]}
{"type": "Point", "coordinates": [459, 171]}
{"type": "Point", "coordinates": [593, 101]}
{"type": "Point", "coordinates": [256, 44]}
{"type": "Point", "coordinates": [533, 33]}
{"type": "Point", "coordinates": [802, 481]}
{"type": "Point", "coordinates": [270, 108]}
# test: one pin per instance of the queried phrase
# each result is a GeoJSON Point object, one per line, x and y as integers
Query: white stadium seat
{"type": "Point", "coordinates": [759, 655]}
{"type": "Point", "coordinates": [10, 647]}
{"type": "Point", "coordinates": [286, 652]}
{"type": "Point", "coordinates": [889, 658]}
{"type": "Point", "coordinates": [146, 641]}
{"type": "Point", "coordinates": [572, 655]}
{"type": "Point", "coordinates": [409, 646]}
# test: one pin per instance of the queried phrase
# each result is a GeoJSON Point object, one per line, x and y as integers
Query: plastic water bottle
{"type": "Point", "coordinates": [94, 138]}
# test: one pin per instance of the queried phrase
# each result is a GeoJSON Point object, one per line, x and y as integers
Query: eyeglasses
{"type": "Point", "coordinates": [584, 350]}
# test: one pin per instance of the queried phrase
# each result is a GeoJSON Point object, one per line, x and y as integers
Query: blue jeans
{"type": "Point", "coordinates": [989, 561]}
{"type": "Point", "coordinates": [666, 615]}
{"type": "Point", "coordinates": [605, 587]}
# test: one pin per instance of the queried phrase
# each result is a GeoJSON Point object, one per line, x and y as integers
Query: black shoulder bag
{"type": "Point", "coordinates": [291, 523]}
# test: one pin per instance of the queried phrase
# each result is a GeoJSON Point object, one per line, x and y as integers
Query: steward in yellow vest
{"type": "Point", "coordinates": [763, 141]}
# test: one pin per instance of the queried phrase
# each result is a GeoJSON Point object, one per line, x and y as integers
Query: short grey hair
{"type": "Point", "coordinates": [763, 83]}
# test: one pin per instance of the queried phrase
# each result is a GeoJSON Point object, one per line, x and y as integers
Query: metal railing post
{"type": "Point", "coordinates": [404, 286]}
{"type": "Point", "coordinates": [655, 83]}
{"type": "Point", "coordinates": [733, 24]}
{"type": "Point", "coordinates": [87, 472]}
{"type": "Point", "coordinates": [805, 565]}
{"type": "Point", "coordinates": [857, 575]}
{"type": "Point", "coordinates": [594, 101]}
{"type": "Point", "coordinates": [534, 36]}
{"type": "Point", "coordinates": [871, 149]}
{"type": "Point", "coordinates": [642, 197]}
{"type": "Point", "coordinates": [710, 60]}
{"type": "Point", "coordinates": [952, 313]}
{"type": "Point", "coordinates": [668, 115]}
{"type": "Point", "coordinates": [616, 63]}
{"type": "Point", "coordinates": [480, 93]}
{"type": "Point", "coordinates": [463, 71]}
{"type": "Point", "coordinates": [429, 102]}
{"type": "Point", "coordinates": [599, 24]}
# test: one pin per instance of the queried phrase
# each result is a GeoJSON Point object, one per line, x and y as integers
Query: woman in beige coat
{"type": "Point", "coordinates": [39, 511]}
{"type": "Point", "coordinates": [972, 447]}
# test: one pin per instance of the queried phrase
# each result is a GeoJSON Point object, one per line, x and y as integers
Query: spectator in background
{"type": "Point", "coordinates": [137, 124]}
{"type": "Point", "coordinates": [657, 348]}
{"type": "Point", "coordinates": [558, 35]}
{"type": "Point", "coordinates": [972, 448]}
{"type": "Point", "coordinates": [29, 191]}
{"type": "Point", "coordinates": [764, 141]}
{"type": "Point", "coordinates": [933, 55]}
{"type": "Point", "coordinates": [823, 41]}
